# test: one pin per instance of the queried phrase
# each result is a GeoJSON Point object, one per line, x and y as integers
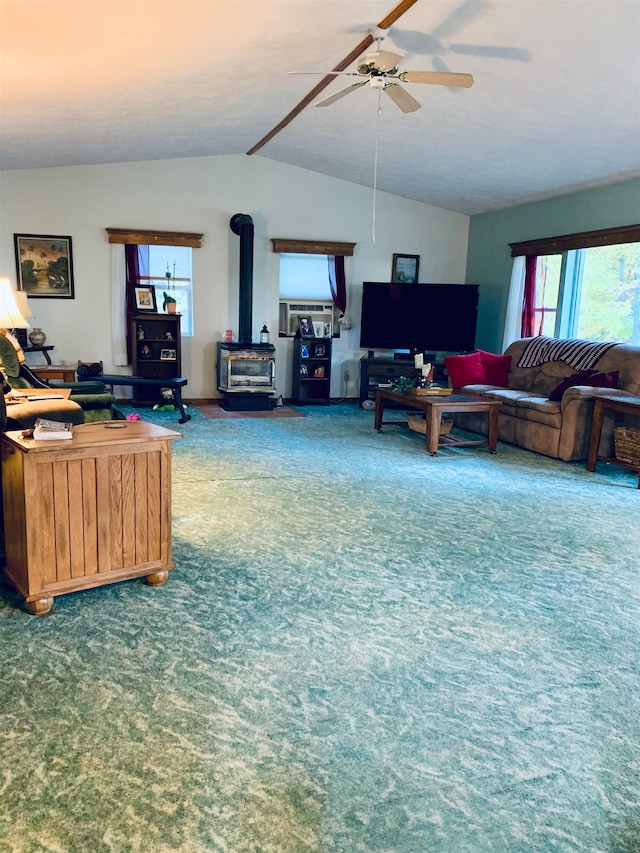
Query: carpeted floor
{"type": "Point", "coordinates": [363, 649]}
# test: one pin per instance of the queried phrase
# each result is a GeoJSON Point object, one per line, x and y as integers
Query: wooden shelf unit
{"type": "Point", "coordinates": [311, 357]}
{"type": "Point", "coordinates": [164, 358]}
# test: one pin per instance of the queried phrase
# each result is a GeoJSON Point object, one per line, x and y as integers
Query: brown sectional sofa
{"type": "Point", "coordinates": [557, 429]}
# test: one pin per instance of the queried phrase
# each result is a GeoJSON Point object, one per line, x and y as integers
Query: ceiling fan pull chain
{"type": "Point", "coordinates": [375, 164]}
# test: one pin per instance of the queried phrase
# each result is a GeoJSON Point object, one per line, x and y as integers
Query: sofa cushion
{"type": "Point", "coordinates": [541, 410]}
{"type": "Point", "coordinates": [590, 377]}
{"type": "Point", "coordinates": [465, 370]}
{"type": "Point", "coordinates": [496, 367]}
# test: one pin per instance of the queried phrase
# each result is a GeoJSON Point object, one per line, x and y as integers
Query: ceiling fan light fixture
{"type": "Point", "coordinates": [377, 82]}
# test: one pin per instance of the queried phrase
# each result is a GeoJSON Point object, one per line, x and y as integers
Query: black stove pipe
{"type": "Point", "coordinates": [242, 225]}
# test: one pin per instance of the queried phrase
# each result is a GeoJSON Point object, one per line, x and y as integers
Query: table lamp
{"type": "Point", "coordinates": [10, 315]}
{"type": "Point", "coordinates": [25, 309]}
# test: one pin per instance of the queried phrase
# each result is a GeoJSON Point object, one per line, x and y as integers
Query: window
{"type": "Point", "coordinates": [590, 294]}
{"type": "Point", "coordinates": [168, 269]}
{"type": "Point", "coordinates": [304, 276]}
{"type": "Point", "coordinates": [584, 285]}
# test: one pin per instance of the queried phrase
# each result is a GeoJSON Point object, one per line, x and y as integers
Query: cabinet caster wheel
{"type": "Point", "coordinates": [40, 607]}
{"type": "Point", "coordinates": [157, 578]}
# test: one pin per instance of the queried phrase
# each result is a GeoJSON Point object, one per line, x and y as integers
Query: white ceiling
{"type": "Point", "coordinates": [555, 106]}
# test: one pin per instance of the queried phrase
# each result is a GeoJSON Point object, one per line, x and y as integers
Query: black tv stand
{"type": "Point", "coordinates": [376, 371]}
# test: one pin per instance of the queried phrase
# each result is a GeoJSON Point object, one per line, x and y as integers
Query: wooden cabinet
{"type": "Point", "coordinates": [156, 354]}
{"type": "Point", "coordinates": [311, 371]}
{"type": "Point", "coordinates": [87, 511]}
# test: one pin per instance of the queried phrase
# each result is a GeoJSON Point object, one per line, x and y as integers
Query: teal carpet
{"type": "Point", "coordinates": [362, 649]}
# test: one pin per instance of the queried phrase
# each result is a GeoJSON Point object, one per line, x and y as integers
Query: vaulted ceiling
{"type": "Point", "coordinates": [555, 106]}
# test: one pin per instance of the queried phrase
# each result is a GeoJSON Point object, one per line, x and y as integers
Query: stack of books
{"type": "Point", "coordinates": [51, 430]}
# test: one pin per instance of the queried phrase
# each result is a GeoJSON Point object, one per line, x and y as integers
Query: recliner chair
{"type": "Point", "coordinates": [91, 398]}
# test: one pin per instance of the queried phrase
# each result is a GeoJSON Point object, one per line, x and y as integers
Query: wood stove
{"type": "Point", "coordinates": [246, 371]}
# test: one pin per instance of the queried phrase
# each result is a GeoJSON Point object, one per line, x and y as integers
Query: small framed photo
{"type": "Point", "coordinates": [304, 370]}
{"type": "Point", "coordinates": [328, 330]}
{"type": "Point", "coordinates": [145, 299]}
{"type": "Point", "coordinates": [318, 329]}
{"type": "Point", "coordinates": [44, 266]}
{"type": "Point", "coordinates": [167, 355]}
{"type": "Point", "coordinates": [405, 268]}
{"type": "Point", "coordinates": [319, 371]}
{"type": "Point", "coordinates": [306, 328]}
{"type": "Point", "coordinates": [319, 351]}
{"type": "Point", "coordinates": [304, 351]}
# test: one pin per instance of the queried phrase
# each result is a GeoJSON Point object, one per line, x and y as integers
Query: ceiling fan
{"type": "Point", "coordinates": [380, 70]}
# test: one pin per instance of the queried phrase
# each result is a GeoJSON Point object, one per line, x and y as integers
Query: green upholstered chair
{"type": "Point", "coordinates": [96, 404]}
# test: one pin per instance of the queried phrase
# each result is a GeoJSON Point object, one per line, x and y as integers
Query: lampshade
{"type": "Point", "coordinates": [10, 316]}
{"type": "Point", "coordinates": [23, 304]}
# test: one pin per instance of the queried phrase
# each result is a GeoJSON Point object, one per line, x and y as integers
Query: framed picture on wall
{"type": "Point", "coordinates": [44, 266]}
{"type": "Point", "coordinates": [167, 355]}
{"type": "Point", "coordinates": [145, 298]}
{"type": "Point", "coordinates": [405, 268]}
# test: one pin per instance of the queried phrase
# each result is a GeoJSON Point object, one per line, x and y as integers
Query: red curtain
{"type": "Point", "coordinates": [337, 282]}
{"type": "Point", "coordinates": [529, 300]}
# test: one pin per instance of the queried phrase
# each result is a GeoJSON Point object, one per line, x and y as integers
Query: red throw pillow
{"type": "Point", "coordinates": [496, 367]}
{"type": "Point", "coordinates": [465, 370]}
{"type": "Point", "coordinates": [589, 377]}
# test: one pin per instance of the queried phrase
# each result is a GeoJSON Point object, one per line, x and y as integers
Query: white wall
{"type": "Point", "coordinates": [201, 195]}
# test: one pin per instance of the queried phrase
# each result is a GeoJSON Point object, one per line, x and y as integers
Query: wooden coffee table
{"type": "Point", "coordinates": [434, 407]}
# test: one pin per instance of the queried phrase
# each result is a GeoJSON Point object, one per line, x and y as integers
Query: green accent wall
{"type": "Point", "coordinates": [489, 256]}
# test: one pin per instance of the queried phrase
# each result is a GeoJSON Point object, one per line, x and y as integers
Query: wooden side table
{"type": "Point", "coordinates": [45, 350]}
{"type": "Point", "coordinates": [55, 371]}
{"type": "Point", "coordinates": [601, 405]}
{"type": "Point", "coordinates": [88, 511]}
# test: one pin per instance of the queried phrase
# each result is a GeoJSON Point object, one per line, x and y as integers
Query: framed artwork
{"type": "Point", "coordinates": [304, 351]}
{"type": "Point", "coordinates": [405, 268]}
{"type": "Point", "coordinates": [167, 355]}
{"type": "Point", "coordinates": [44, 266]}
{"type": "Point", "coordinates": [319, 371]}
{"type": "Point", "coordinates": [318, 329]}
{"type": "Point", "coordinates": [306, 328]}
{"type": "Point", "coordinates": [145, 299]}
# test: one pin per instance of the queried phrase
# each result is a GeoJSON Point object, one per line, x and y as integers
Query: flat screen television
{"type": "Point", "coordinates": [419, 317]}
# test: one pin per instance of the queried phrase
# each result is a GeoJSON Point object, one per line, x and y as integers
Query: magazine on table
{"type": "Point", "coordinates": [45, 429]}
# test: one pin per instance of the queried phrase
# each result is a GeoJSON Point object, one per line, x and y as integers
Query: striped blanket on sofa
{"type": "Point", "coordinates": [577, 354]}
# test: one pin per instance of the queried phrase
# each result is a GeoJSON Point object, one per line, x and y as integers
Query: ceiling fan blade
{"type": "Point", "coordinates": [439, 78]}
{"type": "Point", "coordinates": [401, 98]}
{"type": "Point", "coordinates": [328, 73]}
{"type": "Point", "coordinates": [333, 98]}
{"type": "Point", "coordinates": [493, 51]}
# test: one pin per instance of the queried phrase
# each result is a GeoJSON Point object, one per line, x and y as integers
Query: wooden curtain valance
{"type": "Point", "coordinates": [154, 238]}
{"type": "Point", "coordinates": [583, 240]}
{"type": "Point", "coordinates": [312, 247]}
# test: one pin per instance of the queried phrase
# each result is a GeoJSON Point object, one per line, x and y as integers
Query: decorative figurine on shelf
{"type": "Point", "coordinates": [264, 334]}
{"type": "Point", "coordinates": [168, 336]}
{"type": "Point", "coordinates": [140, 333]}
